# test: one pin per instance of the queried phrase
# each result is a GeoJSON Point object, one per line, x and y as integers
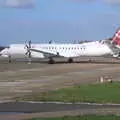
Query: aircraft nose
{"type": "Point", "coordinates": [3, 50]}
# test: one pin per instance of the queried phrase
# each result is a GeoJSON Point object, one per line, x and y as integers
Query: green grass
{"type": "Point", "coordinates": [92, 117]}
{"type": "Point", "coordinates": [94, 93]}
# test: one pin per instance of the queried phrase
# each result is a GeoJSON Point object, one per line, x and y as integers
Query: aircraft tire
{"type": "Point", "coordinates": [51, 61]}
{"type": "Point", "coordinates": [70, 60]}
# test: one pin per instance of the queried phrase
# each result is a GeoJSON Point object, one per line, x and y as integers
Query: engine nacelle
{"type": "Point", "coordinates": [37, 55]}
{"type": "Point", "coordinates": [6, 56]}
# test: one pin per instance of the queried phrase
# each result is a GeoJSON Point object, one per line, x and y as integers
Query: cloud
{"type": "Point", "coordinates": [85, 1]}
{"type": "Point", "coordinates": [17, 3]}
{"type": "Point", "coordinates": [110, 2]}
{"type": "Point", "coordinates": [113, 2]}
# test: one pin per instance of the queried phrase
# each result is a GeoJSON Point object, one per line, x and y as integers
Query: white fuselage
{"type": "Point", "coordinates": [15, 50]}
{"type": "Point", "coordinates": [65, 50]}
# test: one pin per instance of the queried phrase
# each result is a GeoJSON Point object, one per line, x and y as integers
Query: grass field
{"type": "Point", "coordinates": [94, 93]}
{"type": "Point", "coordinates": [82, 118]}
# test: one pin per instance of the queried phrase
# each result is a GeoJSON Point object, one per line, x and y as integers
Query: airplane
{"type": "Point", "coordinates": [70, 51]}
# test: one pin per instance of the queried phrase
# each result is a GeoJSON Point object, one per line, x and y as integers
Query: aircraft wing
{"type": "Point", "coordinates": [47, 53]}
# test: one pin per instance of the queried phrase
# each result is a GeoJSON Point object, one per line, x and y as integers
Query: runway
{"type": "Point", "coordinates": [19, 79]}
{"type": "Point", "coordinates": [81, 59]}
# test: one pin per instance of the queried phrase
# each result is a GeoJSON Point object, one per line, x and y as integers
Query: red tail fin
{"type": "Point", "coordinates": [116, 37]}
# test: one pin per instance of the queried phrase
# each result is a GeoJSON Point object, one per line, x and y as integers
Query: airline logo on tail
{"type": "Point", "coordinates": [116, 37]}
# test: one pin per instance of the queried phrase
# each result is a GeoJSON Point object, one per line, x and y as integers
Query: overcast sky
{"type": "Point", "coordinates": [58, 20]}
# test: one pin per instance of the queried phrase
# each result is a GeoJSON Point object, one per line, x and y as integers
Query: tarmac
{"type": "Point", "coordinates": [19, 79]}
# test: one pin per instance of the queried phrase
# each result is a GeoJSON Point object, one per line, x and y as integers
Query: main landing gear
{"type": "Point", "coordinates": [51, 60]}
{"type": "Point", "coordinates": [70, 60]}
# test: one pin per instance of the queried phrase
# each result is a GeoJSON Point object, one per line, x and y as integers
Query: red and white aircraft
{"type": "Point", "coordinates": [116, 38]}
